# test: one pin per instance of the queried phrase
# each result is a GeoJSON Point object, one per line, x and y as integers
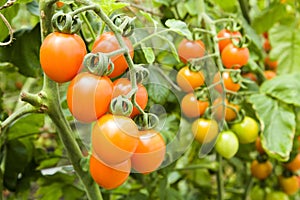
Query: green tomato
{"type": "Point", "coordinates": [227, 144]}
{"type": "Point", "coordinates": [247, 130]}
{"type": "Point", "coordinates": [257, 193]}
{"type": "Point", "coordinates": [277, 195]}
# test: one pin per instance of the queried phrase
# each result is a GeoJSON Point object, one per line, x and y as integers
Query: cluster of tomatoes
{"type": "Point", "coordinates": [118, 145]}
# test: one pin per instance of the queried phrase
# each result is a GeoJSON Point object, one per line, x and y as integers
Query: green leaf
{"type": "Point", "coordinates": [192, 7]}
{"type": "Point", "coordinates": [278, 124]}
{"type": "Point", "coordinates": [33, 8]}
{"type": "Point", "coordinates": [9, 13]}
{"type": "Point", "coordinates": [149, 18]}
{"type": "Point", "coordinates": [268, 17]}
{"type": "Point", "coordinates": [179, 27]}
{"type": "Point", "coordinates": [24, 51]}
{"type": "Point", "coordinates": [226, 5]}
{"type": "Point", "coordinates": [284, 88]}
{"type": "Point", "coordinates": [148, 53]}
{"type": "Point", "coordinates": [110, 6]}
{"type": "Point", "coordinates": [285, 40]}
{"type": "Point", "coordinates": [167, 58]}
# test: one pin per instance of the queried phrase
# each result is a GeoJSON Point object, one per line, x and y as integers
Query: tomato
{"type": "Point", "coordinates": [277, 195]}
{"type": "Point", "coordinates": [227, 144]}
{"type": "Point", "coordinates": [224, 33]}
{"type": "Point", "coordinates": [250, 76]}
{"type": "Point", "coordinates": [190, 49]}
{"type": "Point", "coordinates": [205, 130]}
{"type": "Point", "coordinates": [89, 96]}
{"type": "Point", "coordinates": [192, 107]}
{"type": "Point", "coordinates": [266, 45]}
{"type": "Point", "coordinates": [258, 146]}
{"type": "Point", "coordinates": [61, 56]}
{"type": "Point", "coordinates": [229, 84]}
{"type": "Point", "coordinates": [109, 176]}
{"type": "Point", "coordinates": [149, 153]}
{"type": "Point", "coordinates": [228, 113]}
{"type": "Point", "coordinates": [122, 86]}
{"type": "Point", "coordinates": [289, 185]}
{"type": "Point", "coordinates": [271, 64]}
{"type": "Point", "coordinates": [247, 130]}
{"type": "Point", "coordinates": [257, 193]}
{"type": "Point", "coordinates": [294, 164]}
{"type": "Point", "coordinates": [107, 43]}
{"type": "Point", "coordinates": [235, 57]}
{"type": "Point", "coordinates": [60, 4]}
{"type": "Point", "coordinates": [189, 80]}
{"type": "Point", "coordinates": [269, 74]}
{"type": "Point", "coordinates": [114, 138]}
{"type": "Point", "coordinates": [261, 170]}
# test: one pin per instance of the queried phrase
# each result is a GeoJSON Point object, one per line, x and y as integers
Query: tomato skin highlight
{"type": "Point", "coordinates": [149, 153]}
{"type": "Point", "coordinates": [205, 130]}
{"type": "Point", "coordinates": [235, 57]}
{"type": "Point", "coordinates": [227, 144]}
{"type": "Point", "coordinates": [190, 49]}
{"type": "Point", "coordinates": [192, 107]}
{"type": "Point", "coordinates": [189, 80]}
{"type": "Point", "coordinates": [224, 33]}
{"type": "Point", "coordinates": [89, 96]}
{"type": "Point", "coordinates": [228, 82]}
{"type": "Point", "coordinates": [107, 43]}
{"type": "Point", "coordinates": [109, 176]}
{"type": "Point", "coordinates": [114, 138]}
{"type": "Point", "coordinates": [61, 56]}
{"type": "Point", "coordinates": [261, 170]}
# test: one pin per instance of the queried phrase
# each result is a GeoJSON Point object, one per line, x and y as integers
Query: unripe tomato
{"type": "Point", "coordinates": [257, 193]}
{"type": "Point", "coordinates": [229, 84]}
{"type": "Point", "coordinates": [149, 153]}
{"type": "Point", "coordinates": [109, 176]}
{"type": "Point", "coordinates": [192, 107]}
{"type": "Point", "coordinates": [247, 130]}
{"type": "Point", "coordinates": [89, 96]}
{"type": "Point", "coordinates": [224, 33]}
{"type": "Point", "coordinates": [189, 80]}
{"type": "Point", "coordinates": [107, 43]}
{"type": "Point", "coordinates": [114, 138]}
{"type": "Point", "coordinates": [190, 49]}
{"type": "Point", "coordinates": [294, 165]}
{"type": "Point", "coordinates": [289, 185]}
{"type": "Point", "coordinates": [228, 113]}
{"type": "Point", "coordinates": [227, 144]}
{"type": "Point", "coordinates": [258, 146]}
{"type": "Point", "coordinates": [235, 57]}
{"type": "Point", "coordinates": [61, 56]}
{"type": "Point", "coordinates": [122, 86]}
{"type": "Point", "coordinates": [205, 130]}
{"type": "Point", "coordinates": [269, 74]}
{"type": "Point", "coordinates": [277, 195]}
{"type": "Point", "coordinates": [261, 170]}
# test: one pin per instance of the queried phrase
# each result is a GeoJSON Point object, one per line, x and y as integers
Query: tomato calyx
{"type": "Point", "coordinates": [146, 121]}
{"type": "Point", "coordinates": [99, 64]}
{"type": "Point", "coordinates": [125, 23]}
{"type": "Point", "coordinates": [121, 106]}
{"type": "Point", "coordinates": [262, 158]}
{"type": "Point", "coordinates": [141, 74]}
{"type": "Point", "coordinates": [66, 23]}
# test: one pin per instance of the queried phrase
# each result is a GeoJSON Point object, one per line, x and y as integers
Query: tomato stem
{"type": "Point", "coordinates": [83, 9]}
{"type": "Point", "coordinates": [248, 187]}
{"type": "Point", "coordinates": [220, 178]}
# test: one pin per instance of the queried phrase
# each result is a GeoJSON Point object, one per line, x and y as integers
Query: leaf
{"type": "Point", "coordinates": [148, 53]}
{"type": "Point", "coordinates": [110, 6]}
{"type": "Point", "coordinates": [284, 88]}
{"type": "Point", "coordinates": [33, 8]}
{"type": "Point", "coordinates": [149, 18]}
{"type": "Point", "coordinates": [166, 58]}
{"type": "Point", "coordinates": [24, 51]}
{"type": "Point", "coordinates": [9, 13]}
{"type": "Point", "coordinates": [278, 125]}
{"type": "Point", "coordinates": [192, 7]}
{"type": "Point", "coordinates": [179, 27]}
{"type": "Point", "coordinates": [226, 5]}
{"type": "Point", "coordinates": [285, 40]}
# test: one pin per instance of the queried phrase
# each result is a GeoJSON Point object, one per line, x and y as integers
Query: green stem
{"type": "Point", "coordinates": [89, 26]}
{"type": "Point", "coordinates": [212, 166]}
{"type": "Point", "coordinates": [220, 178]}
{"type": "Point", "coordinates": [244, 5]}
{"type": "Point", "coordinates": [83, 9]}
{"type": "Point", "coordinates": [248, 188]}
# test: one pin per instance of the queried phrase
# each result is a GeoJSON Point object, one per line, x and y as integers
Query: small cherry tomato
{"type": "Point", "coordinates": [192, 107]}
{"type": "Point", "coordinates": [228, 112]}
{"type": "Point", "coordinates": [107, 43]}
{"type": "Point", "coordinates": [257, 193]}
{"type": "Point", "coordinates": [227, 144]}
{"type": "Point", "coordinates": [109, 176]}
{"type": "Point", "coordinates": [223, 34]}
{"type": "Point", "coordinates": [266, 45]}
{"type": "Point", "coordinates": [250, 76]}
{"type": "Point", "coordinates": [59, 4]}
{"type": "Point", "coordinates": [61, 56]}
{"type": "Point", "coordinates": [269, 74]}
{"type": "Point", "coordinates": [114, 138]}
{"type": "Point", "coordinates": [229, 84]}
{"type": "Point", "coordinates": [261, 170]}
{"type": "Point", "coordinates": [247, 130]}
{"type": "Point", "coordinates": [277, 195]}
{"type": "Point", "coordinates": [289, 185]}
{"type": "Point", "coordinates": [258, 146]}
{"type": "Point", "coordinates": [149, 153]}
{"type": "Point", "coordinates": [235, 57]}
{"type": "Point", "coordinates": [89, 96]}
{"type": "Point", "coordinates": [190, 49]}
{"type": "Point", "coordinates": [294, 164]}
{"type": "Point", "coordinates": [189, 80]}
{"type": "Point", "coordinates": [205, 130]}
{"type": "Point", "coordinates": [271, 64]}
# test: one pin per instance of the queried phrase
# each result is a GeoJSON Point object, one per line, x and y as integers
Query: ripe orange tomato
{"type": "Point", "coordinates": [289, 185]}
{"type": "Point", "coordinates": [192, 107]}
{"type": "Point", "coordinates": [266, 45]}
{"type": "Point", "coordinates": [189, 80]}
{"type": "Point", "coordinates": [107, 43]}
{"type": "Point", "coordinates": [258, 146]}
{"type": "Point", "coordinates": [250, 76]}
{"type": "Point", "coordinates": [235, 57]}
{"type": "Point", "coordinates": [205, 130]}
{"type": "Point", "coordinates": [114, 138]}
{"type": "Point", "coordinates": [190, 49]}
{"type": "Point", "coordinates": [149, 153]}
{"type": "Point", "coordinates": [122, 86]}
{"type": "Point", "coordinates": [228, 113]}
{"type": "Point", "coordinates": [61, 56]}
{"type": "Point", "coordinates": [89, 96]}
{"type": "Point", "coordinates": [109, 176]}
{"type": "Point", "coordinates": [261, 170]}
{"type": "Point", "coordinates": [269, 74]}
{"type": "Point", "coordinates": [294, 165]}
{"type": "Point", "coordinates": [224, 33]}
{"type": "Point", "coordinates": [229, 84]}
{"type": "Point", "coordinates": [271, 64]}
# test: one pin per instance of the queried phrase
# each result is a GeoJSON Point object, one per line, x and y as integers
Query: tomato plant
{"type": "Point", "coordinates": [189, 80]}
{"type": "Point", "coordinates": [229, 111]}
{"type": "Point", "coordinates": [190, 49]}
{"type": "Point", "coordinates": [192, 107]}
{"type": "Point", "coordinates": [235, 57]}
{"type": "Point", "coordinates": [227, 139]}
{"type": "Point", "coordinates": [229, 82]}
{"type": "Point", "coordinates": [226, 36]}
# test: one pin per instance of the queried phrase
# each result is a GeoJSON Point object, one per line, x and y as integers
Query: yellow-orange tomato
{"type": "Point", "coordinates": [149, 153]}
{"type": "Point", "coordinates": [189, 80]}
{"type": "Point", "coordinates": [190, 49]}
{"type": "Point", "coordinates": [205, 130]}
{"type": "Point", "coordinates": [229, 84]}
{"type": "Point", "coordinates": [261, 170]}
{"type": "Point", "coordinates": [235, 57]}
{"type": "Point", "coordinates": [109, 176]}
{"type": "Point", "coordinates": [228, 112]}
{"type": "Point", "coordinates": [271, 64]}
{"type": "Point", "coordinates": [269, 74]}
{"type": "Point", "coordinates": [289, 185]}
{"type": "Point", "coordinates": [250, 76]}
{"type": "Point", "coordinates": [294, 165]}
{"type": "Point", "coordinates": [258, 146]}
{"type": "Point", "coordinates": [266, 45]}
{"type": "Point", "coordinates": [114, 138]}
{"type": "Point", "coordinates": [192, 107]}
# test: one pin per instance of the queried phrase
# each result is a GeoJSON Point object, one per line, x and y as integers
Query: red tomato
{"type": "Point", "coordinates": [149, 153]}
{"type": "Point", "coordinates": [266, 45]}
{"type": "Point", "coordinates": [250, 76]}
{"type": "Point", "coordinates": [107, 43]}
{"type": "Point", "coordinates": [190, 49]}
{"type": "Point", "coordinates": [224, 33]}
{"type": "Point", "coordinates": [114, 138]}
{"type": "Point", "coordinates": [192, 107]}
{"type": "Point", "coordinates": [61, 56]}
{"type": "Point", "coordinates": [122, 86]}
{"type": "Point", "coordinates": [271, 64]}
{"type": "Point", "coordinates": [89, 96]}
{"type": "Point", "coordinates": [228, 82]}
{"type": "Point", "coordinates": [189, 80]}
{"type": "Point", "coordinates": [235, 57]}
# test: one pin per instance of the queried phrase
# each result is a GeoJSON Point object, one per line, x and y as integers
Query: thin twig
{"type": "Point", "coordinates": [10, 30]}
{"type": "Point", "coordinates": [8, 4]}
